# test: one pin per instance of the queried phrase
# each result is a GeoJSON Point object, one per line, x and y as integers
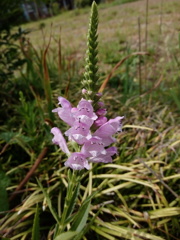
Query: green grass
{"type": "Point", "coordinates": [115, 23]}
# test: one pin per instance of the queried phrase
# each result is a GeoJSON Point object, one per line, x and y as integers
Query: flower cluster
{"type": "Point", "coordinates": [94, 144]}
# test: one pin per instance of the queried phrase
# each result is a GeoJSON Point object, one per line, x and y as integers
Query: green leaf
{"type": "Point", "coordinates": [81, 217]}
{"type": "Point", "coordinates": [66, 236]}
{"type": "Point", "coordinates": [11, 137]}
{"type": "Point", "coordinates": [82, 214]}
{"type": "Point", "coordinates": [87, 227]}
{"type": "Point", "coordinates": [36, 228]}
{"type": "Point", "coordinates": [3, 200]}
{"type": "Point", "coordinates": [4, 182]}
{"type": "Point", "coordinates": [55, 215]}
{"type": "Point", "coordinates": [73, 200]}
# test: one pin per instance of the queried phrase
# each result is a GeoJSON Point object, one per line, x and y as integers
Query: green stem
{"type": "Point", "coordinates": [72, 180]}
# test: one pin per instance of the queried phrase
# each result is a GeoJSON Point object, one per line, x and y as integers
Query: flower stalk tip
{"type": "Point", "coordinates": [91, 69]}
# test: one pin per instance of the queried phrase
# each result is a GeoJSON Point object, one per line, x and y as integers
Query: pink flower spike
{"type": "Point", "coordinates": [77, 161]}
{"type": "Point", "coordinates": [59, 140]}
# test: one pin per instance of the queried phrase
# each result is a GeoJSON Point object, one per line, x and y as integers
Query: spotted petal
{"type": "Point", "coordinates": [79, 132]}
{"type": "Point", "coordinates": [93, 147]}
{"type": "Point", "coordinates": [85, 108]}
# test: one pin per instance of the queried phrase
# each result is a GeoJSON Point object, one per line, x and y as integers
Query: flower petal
{"type": "Point", "coordinates": [104, 158]}
{"type": "Point", "coordinates": [64, 112]}
{"type": "Point", "coordinates": [85, 108]}
{"type": "Point", "coordinates": [77, 161]}
{"type": "Point", "coordinates": [64, 102]}
{"type": "Point", "coordinates": [59, 140]}
{"type": "Point", "coordinates": [93, 147]}
{"type": "Point", "coordinates": [109, 128]}
{"type": "Point", "coordinates": [79, 132]}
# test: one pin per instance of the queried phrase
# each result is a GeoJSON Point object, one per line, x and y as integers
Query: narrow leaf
{"type": "Point", "coordinates": [73, 201]}
{"type": "Point", "coordinates": [49, 202]}
{"type": "Point", "coordinates": [36, 228]}
{"type": "Point", "coordinates": [87, 227]}
{"type": "Point", "coordinates": [81, 217]}
{"type": "Point", "coordinates": [138, 127]}
{"type": "Point", "coordinates": [66, 236]}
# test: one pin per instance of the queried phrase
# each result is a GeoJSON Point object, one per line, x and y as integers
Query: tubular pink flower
{"type": "Point", "coordinates": [77, 161]}
{"type": "Point", "coordinates": [79, 132]}
{"type": "Point", "coordinates": [93, 147]}
{"type": "Point", "coordinates": [84, 108]}
{"type": "Point", "coordinates": [116, 123]}
{"type": "Point", "coordinates": [107, 158]}
{"type": "Point", "coordinates": [64, 102]}
{"type": "Point", "coordinates": [64, 112]}
{"type": "Point", "coordinates": [85, 119]}
{"type": "Point", "coordinates": [108, 129]}
{"type": "Point", "coordinates": [59, 140]}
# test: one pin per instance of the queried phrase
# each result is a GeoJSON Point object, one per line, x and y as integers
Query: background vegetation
{"type": "Point", "coordinates": [139, 192]}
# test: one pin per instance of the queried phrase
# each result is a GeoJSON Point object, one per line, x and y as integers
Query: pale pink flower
{"type": "Point", "coordinates": [94, 145]}
{"type": "Point", "coordinates": [58, 139]}
{"type": "Point", "coordinates": [84, 108]}
{"type": "Point", "coordinates": [77, 161]}
{"type": "Point", "coordinates": [64, 112]}
{"type": "Point", "coordinates": [79, 132]}
{"type": "Point", "coordinates": [105, 158]}
{"type": "Point", "coordinates": [108, 129]}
